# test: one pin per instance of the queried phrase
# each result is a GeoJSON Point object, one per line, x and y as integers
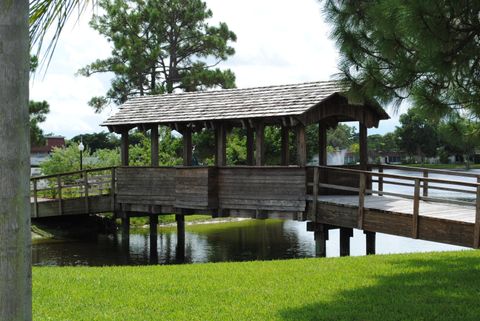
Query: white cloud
{"type": "Point", "coordinates": [279, 42]}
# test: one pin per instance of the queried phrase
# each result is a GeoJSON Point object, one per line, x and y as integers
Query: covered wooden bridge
{"type": "Point", "coordinates": [328, 197]}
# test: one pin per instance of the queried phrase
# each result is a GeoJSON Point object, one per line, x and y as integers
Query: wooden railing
{"type": "Point", "coordinates": [427, 172]}
{"type": "Point", "coordinates": [425, 182]}
{"type": "Point", "coordinates": [72, 185]}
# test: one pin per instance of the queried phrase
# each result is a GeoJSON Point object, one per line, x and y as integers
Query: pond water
{"type": "Point", "coordinates": [236, 241]}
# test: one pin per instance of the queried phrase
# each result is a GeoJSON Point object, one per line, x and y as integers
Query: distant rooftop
{"type": "Point", "coordinates": [230, 104]}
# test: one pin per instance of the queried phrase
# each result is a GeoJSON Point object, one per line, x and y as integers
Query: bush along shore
{"type": "Point", "coordinates": [424, 286]}
{"type": "Point", "coordinates": [82, 227]}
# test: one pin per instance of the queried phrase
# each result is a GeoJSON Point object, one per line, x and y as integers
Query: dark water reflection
{"type": "Point", "coordinates": [244, 241]}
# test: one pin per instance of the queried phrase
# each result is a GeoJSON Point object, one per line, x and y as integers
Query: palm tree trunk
{"type": "Point", "coordinates": [15, 248]}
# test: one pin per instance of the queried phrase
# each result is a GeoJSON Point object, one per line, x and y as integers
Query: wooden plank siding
{"type": "Point", "coordinates": [262, 188]}
{"type": "Point", "coordinates": [146, 186]}
{"type": "Point", "coordinates": [196, 188]}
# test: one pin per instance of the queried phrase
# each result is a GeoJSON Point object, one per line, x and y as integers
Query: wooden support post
{"type": "Point", "coordinates": [363, 147]}
{"type": "Point", "coordinates": [301, 145]}
{"type": "Point", "coordinates": [316, 178]}
{"type": "Point", "coordinates": [380, 181]}
{"type": "Point", "coordinates": [345, 235]}
{"type": "Point", "coordinates": [126, 229]}
{"type": "Point", "coordinates": [370, 239]}
{"type": "Point", "coordinates": [476, 232]}
{"type": "Point", "coordinates": [59, 192]}
{"type": "Point", "coordinates": [260, 144]}
{"type": "Point", "coordinates": [250, 146]}
{"type": "Point", "coordinates": [187, 146]}
{"type": "Point", "coordinates": [35, 198]}
{"type": "Point", "coordinates": [124, 148]}
{"type": "Point", "coordinates": [425, 184]}
{"type": "Point", "coordinates": [154, 145]}
{"type": "Point", "coordinates": [284, 150]}
{"type": "Point", "coordinates": [322, 144]}
{"type": "Point", "coordinates": [221, 145]}
{"type": "Point", "coordinates": [153, 220]}
{"type": "Point", "coordinates": [416, 205]}
{"type": "Point", "coordinates": [180, 249]}
{"type": "Point", "coordinates": [321, 237]}
{"type": "Point", "coordinates": [361, 200]}
{"type": "Point", "coordinates": [112, 190]}
{"type": "Point", "coordinates": [85, 183]}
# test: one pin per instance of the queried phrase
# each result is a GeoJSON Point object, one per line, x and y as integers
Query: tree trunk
{"type": "Point", "coordinates": [15, 248]}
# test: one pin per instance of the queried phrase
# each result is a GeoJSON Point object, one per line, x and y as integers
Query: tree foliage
{"type": "Point", "coordinates": [96, 141]}
{"type": "Point", "coordinates": [428, 51]}
{"type": "Point", "coordinates": [460, 136]}
{"type": "Point", "coordinates": [417, 135]}
{"type": "Point", "coordinates": [159, 47]}
{"type": "Point", "coordinates": [38, 111]}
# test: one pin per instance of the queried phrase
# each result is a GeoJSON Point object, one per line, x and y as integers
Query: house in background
{"type": "Point", "coordinates": [40, 153]}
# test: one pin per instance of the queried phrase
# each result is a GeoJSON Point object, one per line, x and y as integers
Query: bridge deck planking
{"type": "Point", "coordinates": [405, 206]}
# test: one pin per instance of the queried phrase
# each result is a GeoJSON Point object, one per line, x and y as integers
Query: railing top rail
{"type": "Point", "coordinates": [99, 169]}
{"type": "Point", "coordinates": [429, 170]}
{"type": "Point", "coordinates": [404, 177]}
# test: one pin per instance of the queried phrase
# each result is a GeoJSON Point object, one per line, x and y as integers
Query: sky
{"type": "Point", "coordinates": [278, 42]}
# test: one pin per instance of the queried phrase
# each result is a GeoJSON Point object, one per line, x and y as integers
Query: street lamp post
{"type": "Point", "coordinates": [81, 148]}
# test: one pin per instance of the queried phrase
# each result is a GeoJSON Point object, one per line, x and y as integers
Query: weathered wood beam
{"type": "Point", "coordinates": [322, 144]}
{"type": "Point", "coordinates": [416, 206]}
{"type": "Point", "coordinates": [363, 147]}
{"type": "Point", "coordinates": [187, 146]}
{"type": "Point", "coordinates": [260, 144]}
{"type": "Point", "coordinates": [250, 146]}
{"type": "Point", "coordinates": [285, 155]}
{"type": "Point", "coordinates": [345, 235]}
{"type": "Point", "coordinates": [301, 145]}
{"type": "Point", "coordinates": [124, 148]}
{"type": "Point", "coordinates": [476, 228]}
{"type": "Point", "coordinates": [370, 240]}
{"type": "Point", "coordinates": [321, 237]}
{"type": "Point", "coordinates": [154, 145]}
{"type": "Point", "coordinates": [220, 145]}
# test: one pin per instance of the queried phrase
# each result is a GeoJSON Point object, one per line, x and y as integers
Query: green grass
{"type": "Point", "coordinates": [444, 166]}
{"type": "Point", "coordinates": [167, 219]}
{"type": "Point", "coordinates": [440, 286]}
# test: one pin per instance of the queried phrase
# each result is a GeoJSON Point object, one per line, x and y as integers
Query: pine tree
{"type": "Point", "coordinates": [159, 47]}
{"type": "Point", "coordinates": [426, 50]}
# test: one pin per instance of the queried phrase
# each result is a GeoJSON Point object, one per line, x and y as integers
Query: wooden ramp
{"type": "Point", "coordinates": [411, 210]}
{"type": "Point", "coordinates": [391, 204]}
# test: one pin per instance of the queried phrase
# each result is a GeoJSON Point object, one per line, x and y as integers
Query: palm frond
{"type": "Point", "coordinates": [47, 14]}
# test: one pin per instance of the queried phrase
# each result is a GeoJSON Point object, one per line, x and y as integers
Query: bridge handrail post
{"type": "Point", "coordinates": [380, 180]}
{"type": "Point", "coordinates": [112, 189]}
{"type": "Point", "coordinates": [416, 207]}
{"type": "Point", "coordinates": [316, 177]}
{"type": "Point", "coordinates": [425, 183]}
{"type": "Point", "coordinates": [35, 198]}
{"type": "Point", "coordinates": [59, 192]}
{"type": "Point", "coordinates": [361, 200]}
{"type": "Point", "coordinates": [85, 182]}
{"type": "Point", "coordinates": [476, 233]}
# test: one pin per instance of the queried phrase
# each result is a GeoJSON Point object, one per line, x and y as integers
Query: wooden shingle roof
{"type": "Point", "coordinates": [227, 104]}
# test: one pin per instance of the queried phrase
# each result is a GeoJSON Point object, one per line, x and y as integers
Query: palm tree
{"type": "Point", "coordinates": [15, 248]}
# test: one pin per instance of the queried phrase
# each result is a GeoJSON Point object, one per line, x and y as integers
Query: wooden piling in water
{"type": "Point", "coordinates": [370, 240]}
{"type": "Point", "coordinates": [180, 249]}
{"type": "Point", "coordinates": [345, 235]}
{"type": "Point", "coordinates": [321, 237]}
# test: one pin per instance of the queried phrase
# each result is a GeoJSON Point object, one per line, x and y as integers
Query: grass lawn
{"type": "Point", "coordinates": [437, 286]}
{"type": "Point", "coordinates": [444, 166]}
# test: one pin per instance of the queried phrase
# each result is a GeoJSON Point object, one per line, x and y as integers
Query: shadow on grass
{"type": "Point", "coordinates": [424, 289]}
